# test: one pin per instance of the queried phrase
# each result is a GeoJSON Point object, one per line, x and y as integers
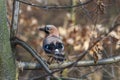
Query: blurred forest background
{"type": "Point", "coordinates": [79, 27]}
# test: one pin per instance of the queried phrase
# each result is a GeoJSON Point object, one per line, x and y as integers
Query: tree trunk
{"type": "Point", "coordinates": [7, 62]}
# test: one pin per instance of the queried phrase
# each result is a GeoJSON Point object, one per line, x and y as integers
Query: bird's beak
{"type": "Point", "coordinates": [42, 29]}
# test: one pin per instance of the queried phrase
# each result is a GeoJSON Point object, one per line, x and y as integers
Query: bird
{"type": "Point", "coordinates": [52, 44]}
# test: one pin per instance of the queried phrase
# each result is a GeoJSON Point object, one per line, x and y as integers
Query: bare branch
{"type": "Point", "coordinates": [15, 41]}
{"type": "Point", "coordinates": [55, 7]}
{"type": "Point", "coordinates": [57, 78]}
{"type": "Point", "coordinates": [15, 16]}
{"type": "Point", "coordinates": [62, 78]}
{"type": "Point", "coordinates": [32, 66]}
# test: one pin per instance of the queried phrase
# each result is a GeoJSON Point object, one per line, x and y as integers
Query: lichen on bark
{"type": "Point", "coordinates": [7, 62]}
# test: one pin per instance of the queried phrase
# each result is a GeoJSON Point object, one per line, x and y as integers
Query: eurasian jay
{"type": "Point", "coordinates": [52, 43]}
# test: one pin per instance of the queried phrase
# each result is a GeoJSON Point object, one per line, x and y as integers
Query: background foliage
{"type": "Point", "coordinates": [79, 27]}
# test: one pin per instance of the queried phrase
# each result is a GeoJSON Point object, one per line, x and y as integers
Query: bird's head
{"type": "Point", "coordinates": [50, 30]}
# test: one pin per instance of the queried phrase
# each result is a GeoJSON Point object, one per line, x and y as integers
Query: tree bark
{"type": "Point", "coordinates": [7, 62]}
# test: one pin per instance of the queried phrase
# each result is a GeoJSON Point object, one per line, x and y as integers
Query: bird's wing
{"type": "Point", "coordinates": [51, 42]}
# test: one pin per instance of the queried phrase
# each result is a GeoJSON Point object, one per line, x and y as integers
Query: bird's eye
{"type": "Point", "coordinates": [47, 29]}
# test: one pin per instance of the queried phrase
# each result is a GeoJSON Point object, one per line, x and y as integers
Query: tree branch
{"type": "Point", "coordinates": [15, 41]}
{"type": "Point", "coordinates": [15, 16]}
{"type": "Point", "coordinates": [32, 66]}
{"type": "Point", "coordinates": [55, 7]}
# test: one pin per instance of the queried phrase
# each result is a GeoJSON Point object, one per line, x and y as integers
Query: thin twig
{"type": "Point", "coordinates": [55, 7]}
{"type": "Point", "coordinates": [85, 75]}
{"type": "Point", "coordinates": [86, 12]}
{"type": "Point", "coordinates": [109, 73]}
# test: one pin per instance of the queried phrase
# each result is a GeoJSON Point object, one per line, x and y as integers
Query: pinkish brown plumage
{"type": "Point", "coordinates": [52, 44]}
